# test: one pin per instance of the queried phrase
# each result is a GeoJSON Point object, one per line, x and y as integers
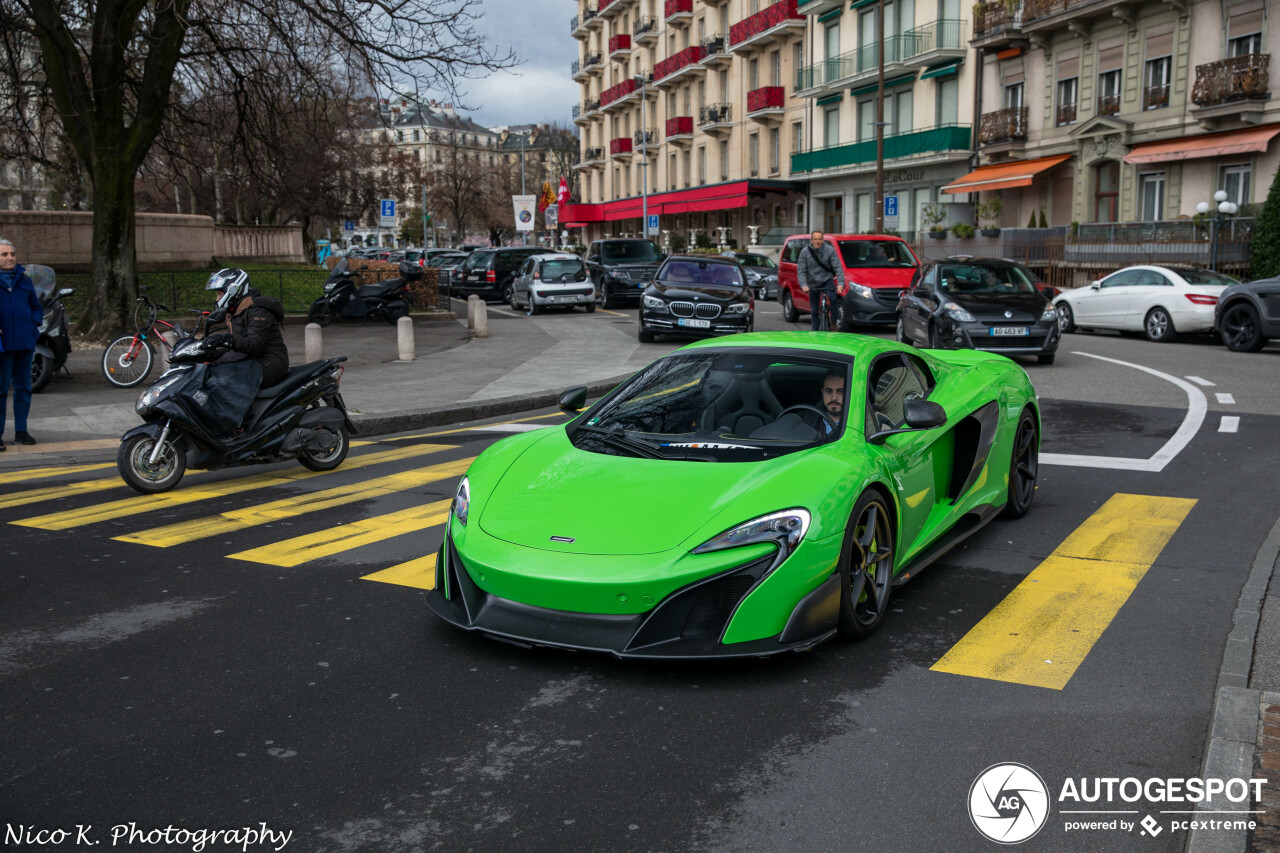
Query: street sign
{"type": "Point", "coordinates": [891, 213]}
{"type": "Point", "coordinates": [348, 225]}
{"type": "Point", "coordinates": [387, 213]}
{"type": "Point", "coordinates": [653, 223]}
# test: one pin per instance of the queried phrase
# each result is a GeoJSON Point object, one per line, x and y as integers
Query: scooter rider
{"type": "Point", "coordinates": [253, 324]}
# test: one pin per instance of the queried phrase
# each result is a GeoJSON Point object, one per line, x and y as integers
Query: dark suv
{"type": "Point", "coordinates": [489, 272]}
{"type": "Point", "coordinates": [621, 269]}
{"type": "Point", "coordinates": [1248, 314]}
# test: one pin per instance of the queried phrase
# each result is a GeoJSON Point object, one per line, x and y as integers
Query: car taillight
{"type": "Point", "coordinates": [491, 277]}
{"type": "Point", "coordinates": [1202, 299]}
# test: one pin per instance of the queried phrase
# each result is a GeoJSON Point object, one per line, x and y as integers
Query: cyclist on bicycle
{"type": "Point", "coordinates": [253, 324]}
{"type": "Point", "coordinates": [820, 273]}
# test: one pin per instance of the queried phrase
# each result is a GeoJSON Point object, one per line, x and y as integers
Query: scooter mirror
{"type": "Point", "coordinates": [65, 292]}
{"type": "Point", "coordinates": [218, 315]}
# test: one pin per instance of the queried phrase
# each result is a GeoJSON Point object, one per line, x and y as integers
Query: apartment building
{"type": "Point", "coordinates": [704, 89]}
{"type": "Point", "coordinates": [928, 108]}
{"type": "Point", "coordinates": [1110, 111]}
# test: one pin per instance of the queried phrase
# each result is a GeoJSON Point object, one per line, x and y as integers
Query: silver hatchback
{"type": "Point", "coordinates": [552, 280]}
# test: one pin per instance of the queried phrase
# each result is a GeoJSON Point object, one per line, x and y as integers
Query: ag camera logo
{"type": "Point", "coordinates": [1008, 803]}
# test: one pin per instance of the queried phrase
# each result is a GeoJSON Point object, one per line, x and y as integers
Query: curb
{"type": "Point", "coordinates": [1233, 729]}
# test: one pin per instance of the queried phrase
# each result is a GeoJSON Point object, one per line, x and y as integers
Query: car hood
{"type": "Point", "coordinates": [1025, 308]}
{"type": "Point", "coordinates": [881, 277]}
{"type": "Point", "coordinates": [616, 505]}
{"type": "Point", "coordinates": [694, 294]}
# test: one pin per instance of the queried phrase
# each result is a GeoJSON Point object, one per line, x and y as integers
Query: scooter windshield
{"type": "Point", "coordinates": [44, 279]}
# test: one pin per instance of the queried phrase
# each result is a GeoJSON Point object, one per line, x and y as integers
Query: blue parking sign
{"type": "Point", "coordinates": [891, 205]}
{"type": "Point", "coordinates": [348, 225]}
{"type": "Point", "coordinates": [388, 207]}
{"type": "Point", "coordinates": [653, 223]}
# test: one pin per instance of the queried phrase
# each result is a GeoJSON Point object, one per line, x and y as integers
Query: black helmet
{"type": "Point", "coordinates": [233, 283]}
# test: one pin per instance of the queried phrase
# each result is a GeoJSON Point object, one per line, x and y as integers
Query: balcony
{"type": "Point", "coordinates": [818, 7]}
{"type": "Point", "coordinates": [926, 45]}
{"type": "Point", "coordinates": [766, 104]}
{"type": "Point", "coordinates": [591, 17]}
{"type": "Point", "coordinates": [613, 94]}
{"type": "Point", "coordinates": [996, 24]}
{"type": "Point", "coordinates": [1155, 97]}
{"type": "Point", "coordinates": [715, 118]}
{"type": "Point", "coordinates": [1004, 131]}
{"type": "Point", "coordinates": [678, 11]}
{"type": "Point", "coordinates": [577, 72]}
{"type": "Point", "coordinates": [577, 114]}
{"type": "Point", "coordinates": [1233, 89]}
{"type": "Point", "coordinates": [620, 147]}
{"type": "Point", "coordinates": [575, 27]}
{"type": "Point", "coordinates": [684, 64]}
{"type": "Point", "coordinates": [717, 53]}
{"type": "Point", "coordinates": [936, 144]}
{"type": "Point", "coordinates": [643, 139]}
{"type": "Point", "coordinates": [773, 23]}
{"type": "Point", "coordinates": [591, 158]}
{"type": "Point", "coordinates": [1109, 105]}
{"type": "Point", "coordinates": [1066, 114]}
{"type": "Point", "coordinates": [619, 46]}
{"type": "Point", "coordinates": [592, 105]}
{"type": "Point", "coordinates": [609, 8]}
{"type": "Point", "coordinates": [592, 63]}
{"type": "Point", "coordinates": [646, 31]}
{"type": "Point", "coordinates": [937, 41]}
{"type": "Point", "coordinates": [680, 129]}
{"type": "Point", "coordinates": [1049, 15]}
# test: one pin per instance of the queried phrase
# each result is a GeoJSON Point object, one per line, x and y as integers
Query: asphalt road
{"type": "Point", "coordinates": [184, 686]}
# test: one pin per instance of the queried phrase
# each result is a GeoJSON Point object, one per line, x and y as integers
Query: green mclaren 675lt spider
{"type": "Point", "coordinates": [738, 497]}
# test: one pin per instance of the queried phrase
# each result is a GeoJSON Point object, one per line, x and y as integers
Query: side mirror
{"type": "Point", "coordinates": [65, 292]}
{"type": "Point", "coordinates": [217, 315]}
{"type": "Point", "coordinates": [573, 400]}
{"type": "Point", "coordinates": [923, 414]}
{"type": "Point", "coordinates": [1095, 284]}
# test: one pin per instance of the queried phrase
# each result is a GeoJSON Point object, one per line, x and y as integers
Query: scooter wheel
{"type": "Point", "coordinates": [134, 463]}
{"type": "Point", "coordinates": [330, 460]}
{"type": "Point", "coordinates": [320, 313]}
{"type": "Point", "coordinates": [41, 372]}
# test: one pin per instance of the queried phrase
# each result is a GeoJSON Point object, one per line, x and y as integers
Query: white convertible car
{"type": "Point", "coordinates": [1158, 301]}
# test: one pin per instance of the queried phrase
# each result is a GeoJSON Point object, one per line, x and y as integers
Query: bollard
{"type": "Point", "coordinates": [472, 301]}
{"type": "Point", "coordinates": [313, 344]}
{"type": "Point", "coordinates": [482, 318]}
{"type": "Point", "coordinates": [404, 338]}
{"type": "Point", "coordinates": [163, 351]}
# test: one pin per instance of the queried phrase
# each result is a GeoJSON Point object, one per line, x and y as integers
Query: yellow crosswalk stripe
{"type": "Point", "coordinates": [1047, 626]}
{"type": "Point", "coordinates": [419, 573]}
{"type": "Point", "coordinates": [344, 537]}
{"type": "Point", "coordinates": [47, 493]}
{"type": "Point", "coordinates": [292, 507]}
{"type": "Point", "coordinates": [26, 474]}
{"type": "Point", "coordinates": [481, 426]}
{"type": "Point", "coordinates": [185, 494]}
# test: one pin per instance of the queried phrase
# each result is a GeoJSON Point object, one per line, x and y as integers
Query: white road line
{"type": "Point", "coordinates": [1226, 399]}
{"type": "Point", "coordinates": [1229, 423]}
{"type": "Point", "coordinates": [1201, 381]}
{"type": "Point", "coordinates": [1197, 405]}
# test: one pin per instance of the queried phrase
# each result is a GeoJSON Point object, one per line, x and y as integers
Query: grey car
{"type": "Point", "coordinates": [555, 279]}
{"type": "Point", "coordinates": [762, 274]}
{"type": "Point", "coordinates": [1248, 314]}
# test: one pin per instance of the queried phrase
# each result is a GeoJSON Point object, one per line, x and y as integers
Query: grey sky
{"type": "Point", "coordinates": [539, 90]}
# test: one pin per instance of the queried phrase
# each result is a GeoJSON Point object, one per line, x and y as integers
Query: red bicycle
{"type": "Point", "coordinates": [127, 360]}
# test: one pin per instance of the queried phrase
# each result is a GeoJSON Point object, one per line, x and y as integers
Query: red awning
{"type": "Point", "coordinates": [726, 196]}
{"type": "Point", "coordinates": [1255, 139]}
{"type": "Point", "coordinates": [1002, 176]}
{"type": "Point", "coordinates": [577, 215]}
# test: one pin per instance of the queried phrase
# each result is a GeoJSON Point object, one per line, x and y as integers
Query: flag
{"type": "Point", "coordinates": [563, 196]}
{"type": "Point", "coordinates": [545, 197]}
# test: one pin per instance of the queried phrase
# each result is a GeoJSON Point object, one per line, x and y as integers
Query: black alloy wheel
{"type": "Point", "coordinates": [320, 312]}
{"type": "Point", "coordinates": [866, 568]}
{"type": "Point", "coordinates": [1024, 466]}
{"type": "Point", "coordinates": [843, 324]}
{"type": "Point", "coordinates": [1241, 330]}
{"type": "Point", "coordinates": [789, 312]}
{"type": "Point", "coordinates": [1066, 320]}
{"type": "Point", "coordinates": [41, 372]}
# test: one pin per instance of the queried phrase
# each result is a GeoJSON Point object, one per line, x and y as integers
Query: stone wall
{"type": "Point", "coordinates": [260, 243]}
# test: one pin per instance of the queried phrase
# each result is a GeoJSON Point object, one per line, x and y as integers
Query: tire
{"type": "Point", "coordinates": [1241, 330]}
{"type": "Point", "coordinates": [935, 339]}
{"type": "Point", "coordinates": [126, 363]}
{"type": "Point", "coordinates": [645, 336]}
{"type": "Point", "coordinates": [393, 315]}
{"type": "Point", "coordinates": [1047, 358]}
{"type": "Point", "coordinates": [843, 323]}
{"type": "Point", "coordinates": [1066, 319]}
{"type": "Point", "coordinates": [511, 298]}
{"type": "Point", "coordinates": [866, 567]}
{"type": "Point", "coordinates": [590, 307]}
{"type": "Point", "coordinates": [330, 460]}
{"type": "Point", "coordinates": [131, 461]}
{"type": "Point", "coordinates": [603, 297]}
{"type": "Point", "coordinates": [1158, 326]}
{"type": "Point", "coordinates": [900, 334]}
{"type": "Point", "coordinates": [41, 372]}
{"type": "Point", "coordinates": [320, 312]}
{"type": "Point", "coordinates": [1024, 467]}
{"type": "Point", "coordinates": [534, 308]}
{"type": "Point", "coordinates": [789, 312]}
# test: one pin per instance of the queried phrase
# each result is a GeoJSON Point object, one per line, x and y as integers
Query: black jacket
{"type": "Point", "coordinates": [254, 324]}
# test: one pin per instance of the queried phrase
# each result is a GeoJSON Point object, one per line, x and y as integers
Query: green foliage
{"type": "Point", "coordinates": [703, 241]}
{"type": "Point", "coordinates": [1074, 228]}
{"type": "Point", "coordinates": [678, 242]}
{"type": "Point", "coordinates": [962, 230]}
{"type": "Point", "coordinates": [988, 212]}
{"type": "Point", "coordinates": [1264, 251]}
{"type": "Point", "coordinates": [1031, 223]}
{"type": "Point", "coordinates": [1044, 223]}
{"type": "Point", "coordinates": [411, 227]}
{"type": "Point", "coordinates": [296, 288]}
{"type": "Point", "coordinates": [933, 216]}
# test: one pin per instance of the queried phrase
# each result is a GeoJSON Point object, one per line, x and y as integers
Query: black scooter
{"type": "Point", "coordinates": [54, 343]}
{"type": "Point", "coordinates": [344, 297]}
{"type": "Point", "coordinates": [191, 415]}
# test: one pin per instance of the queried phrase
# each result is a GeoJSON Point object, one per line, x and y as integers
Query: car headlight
{"type": "Point", "coordinates": [737, 308]}
{"type": "Point", "coordinates": [1050, 314]}
{"type": "Point", "coordinates": [862, 290]}
{"type": "Point", "coordinates": [653, 302]}
{"type": "Point", "coordinates": [462, 502]}
{"type": "Point", "coordinates": [43, 325]}
{"type": "Point", "coordinates": [955, 312]}
{"type": "Point", "coordinates": [787, 528]}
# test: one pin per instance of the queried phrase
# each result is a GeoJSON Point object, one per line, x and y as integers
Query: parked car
{"type": "Point", "coordinates": [697, 295]}
{"type": "Point", "coordinates": [489, 272]}
{"type": "Point", "coordinates": [877, 269]}
{"type": "Point", "coordinates": [984, 304]}
{"type": "Point", "coordinates": [1248, 314]}
{"type": "Point", "coordinates": [762, 273]}
{"type": "Point", "coordinates": [446, 262]}
{"type": "Point", "coordinates": [1160, 302]}
{"type": "Point", "coordinates": [552, 279]}
{"type": "Point", "coordinates": [621, 269]}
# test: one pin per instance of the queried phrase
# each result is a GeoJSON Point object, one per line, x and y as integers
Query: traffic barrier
{"type": "Point", "coordinates": [481, 326]}
{"type": "Point", "coordinates": [313, 343]}
{"type": "Point", "coordinates": [404, 338]}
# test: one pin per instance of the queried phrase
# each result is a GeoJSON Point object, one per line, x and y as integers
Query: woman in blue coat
{"type": "Point", "coordinates": [20, 319]}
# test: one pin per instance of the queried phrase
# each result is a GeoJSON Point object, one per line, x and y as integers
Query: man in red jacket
{"type": "Point", "coordinates": [20, 319]}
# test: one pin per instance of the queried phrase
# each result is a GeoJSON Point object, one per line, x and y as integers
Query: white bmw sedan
{"type": "Point", "coordinates": [1158, 301]}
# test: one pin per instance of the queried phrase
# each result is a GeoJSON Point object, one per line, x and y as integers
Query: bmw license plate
{"type": "Point", "coordinates": [696, 324]}
{"type": "Point", "coordinates": [1009, 331]}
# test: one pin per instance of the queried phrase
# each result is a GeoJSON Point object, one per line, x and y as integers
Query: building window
{"type": "Point", "coordinates": [797, 137]}
{"type": "Point", "coordinates": [948, 97]}
{"type": "Point", "coordinates": [1109, 93]}
{"type": "Point", "coordinates": [903, 110]}
{"type": "Point", "coordinates": [753, 75]}
{"type": "Point", "coordinates": [1235, 181]}
{"type": "Point", "coordinates": [831, 41]}
{"type": "Point", "coordinates": [1013, 96]}
{"type": "Point", "coordinates": [831, 126]}
{"type": "Point", "coordinates": [688, 168]}
{"type": "Point", "coordinates": [671, 175]}
{"type": "Point", "coordinates": [775, 152]}
{"type": "Point", "coordinates": [800, 213]}
{"type": "Point", "coordinates": [1245, 45]}
{"type": "Point", "coordinates": [399, 136]}
{"type": "Point", "coordinates": [724, 159]}
{"type": "Point", "coordinates": [775, 68]}
{"type": "Point", "coordinates": [702, 165]}
{"type": "Point", "coordinates": [1152, 196]}
{"type": "Point", "coordinates": [1156, 83]}
{"type": "Point", "coordinates": [1107, 194]}
{"type": "Point", "coordinates": [1067, 97]}
{"type": "Point", "coordinates": [833, 215]}
{"type": "Point", "coordinates": [754, 147]}
{"type": "Point", "coordinates": [865, 220]}
{"type": "Point", "coordinates": [867, 119]}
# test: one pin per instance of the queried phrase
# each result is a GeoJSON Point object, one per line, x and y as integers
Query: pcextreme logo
{"type": "Point", "coordinates": [1008, 803]}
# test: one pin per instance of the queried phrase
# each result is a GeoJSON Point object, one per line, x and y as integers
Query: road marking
{"type": "Point", "coordinates": [42, 473]}
{"type": "Point", "coordinates": [1201, 381]}
{"type": "Point", "coordinates": [31, 496]}
{"type": "Point", "coordinates": [475, 428]}
{"type": "Point", "coordinates": [95, 513]}
{"type": "Point", "coordinates": [1197, 405]}
{"type": "Point", "coordinates": [251, 516]}
{"type": "Point", "coordinates": [1226, 399]}
{"type": "Point", "coordinates": [614, 313]}
{"type": "Point", "coordinates": [1229, 423]}
{"type": "Point", "coordinates": [517, 427]}
{"type": "Point", "coordinates": [1043, 630]}
{"type": "Point", "coordinates": [345, 537]}
{"type": "Point", "coordinates": [419, 573]}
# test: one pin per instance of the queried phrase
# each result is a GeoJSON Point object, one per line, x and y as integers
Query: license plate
{"type": "Point", "coordinates": [1009, 331]}
{"type": "Point", "coordinates": [696, 324]}
{"type": "Point", "coordinates": [564, 299]}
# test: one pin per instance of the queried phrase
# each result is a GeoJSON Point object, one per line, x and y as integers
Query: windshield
{"type": "Point", "coordinates": [629, 251]}
{"type": "Point", "coordinates": [566, 270]}
{"type": "Point", "coordinates": [875, 253]}
{"type": "Point", "coordinates": [962, 279]}
{"type": "Point", "coordinates": [1206, 277]}
{"type": "Point", "coordinates": [721, 406]}
{"type": "Point", "coordinates": [684, 273]}
{"type": "Point", "coordinates": [757, 261]}
{"type": "Point", "coordinates": [43, 280]}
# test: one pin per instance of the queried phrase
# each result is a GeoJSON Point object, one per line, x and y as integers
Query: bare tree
{"type": "Point", "coordinates": [109, 68]}
{"type": "Point", "coordinates": [458, 185]}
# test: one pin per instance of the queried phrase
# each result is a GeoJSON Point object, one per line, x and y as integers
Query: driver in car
{"type": "Point", "coordinates": [832, 399]}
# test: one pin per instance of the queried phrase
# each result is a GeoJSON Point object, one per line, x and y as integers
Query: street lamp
{"type": "Point", "coordinates": [1225, 209]}
{"type": "Point", "coordinates": [643, 79]}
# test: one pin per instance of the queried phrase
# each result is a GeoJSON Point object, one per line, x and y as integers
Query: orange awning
{"type": "Point", "coordinates": [1002, 176]}
{"type": "Point", "coordinates": [1204, 145]}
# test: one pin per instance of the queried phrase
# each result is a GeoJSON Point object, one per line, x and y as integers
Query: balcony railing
{"type": "Point", "coordinates": [592, 154]}
{"type": "Point", "coordinates": [673, 8]}
{"type": "Point", "coordinates": [996, 16]}
{"type": "Point", "coordinates": [591, 60]}
{"type": "Point", "coordinates": [1155, 97]}
{"type": "Point", "coordinates": [573, 68]}
{"type": "Point", "coordinates": [938, 35]}
{"type": "Point", "coordinates": [947, 137]}
{"type": "Point", "coordinates": [589, 14]}
{"type": "Point", "coordinates": [714, 45]}
{"type": "Point", "coordinates": [765, 19]}
{"type": "Point", "coordinates": [613, 93]}
{"type": "Point", "coordinates": [1066, 114]}
{"type": "Point", "coordinates": [622, 41]}
{"type": "Point", "coordinates": [1108, 105]}
{"type": "Point", "coordinates": [573, 24]}
{"type": "Point", "coordinates": [1043, 8]}
{"type": "Point", "coordinates": [691, 55]}
{"type": "Point", "coordinates": [714, 114]}
{"type": "Point", "coordinates": [1237, 79]}
{"type": "Point", "coordinates": [680, 126]}
{"type": "Point", "coordinates": [591, 105]}
{"type": "Point", "coordinates": [621, 145]}
{"type": "Point", "coordinates": [766, 98]}
{"type": "Point", "coordinates": [645, 28]}
{"type": "Point", "coordinates": [645, 137]}
{"type": "Point", "coordinates": [1007, 125]}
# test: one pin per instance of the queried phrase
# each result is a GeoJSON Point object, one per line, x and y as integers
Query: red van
{"type": "Point", "coordinates": [877, 269]}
